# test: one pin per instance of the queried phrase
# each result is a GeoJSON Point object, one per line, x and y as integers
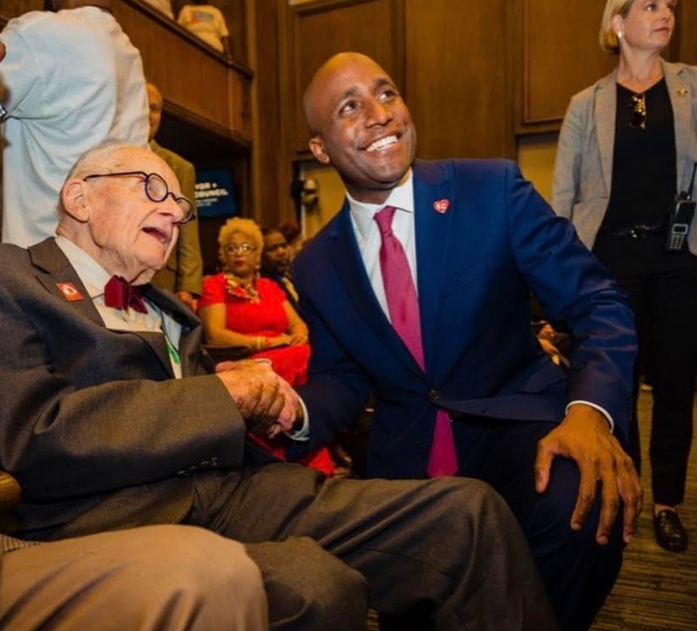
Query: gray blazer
{"type": "Point", "coordinates": [93, 424]}
{"type": "Point", "coordinates": [583, 169]}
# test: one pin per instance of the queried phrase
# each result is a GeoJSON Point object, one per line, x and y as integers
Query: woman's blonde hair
{"type": "Point", "coordinates": [608, 38]}
{"type": "Point", "coordinates": [247, 227]}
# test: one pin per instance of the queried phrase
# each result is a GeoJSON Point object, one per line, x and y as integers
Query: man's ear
{"type": "Point", "coordinates": [316, 145]}
{"type": "Point", "coordinates": [74, 200]}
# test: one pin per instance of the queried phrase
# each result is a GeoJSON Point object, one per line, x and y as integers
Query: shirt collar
{"type": "Point", "coordinates": [91, 273]}
{"type": "Point", "coordinates": [401, 197]}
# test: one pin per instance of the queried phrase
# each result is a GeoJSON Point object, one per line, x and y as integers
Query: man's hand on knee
{"type": "Point", "coordinates": [585, 437]}
{"type": "Point", "coordinates": [266, 401]}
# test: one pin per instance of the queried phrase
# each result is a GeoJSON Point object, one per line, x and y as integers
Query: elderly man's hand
{"type": "Point", "coordinates": [266, 401]}
{"type": "Point", "coordinates": [585, 436]}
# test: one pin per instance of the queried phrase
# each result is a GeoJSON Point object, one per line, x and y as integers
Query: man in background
{"type": "Point", "coordinates": [182, 274]}
{"type": "Point", "coordinates": [71, 80]}
{"type": "Point", "coordinates": [275, 263]}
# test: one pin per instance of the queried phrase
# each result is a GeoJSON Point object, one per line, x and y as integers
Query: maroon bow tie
{"type": "Point", "coordinates": [120, 294]}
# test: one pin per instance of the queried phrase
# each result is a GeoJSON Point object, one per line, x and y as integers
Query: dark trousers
{"type": "Point", "coordinates": [449, 550]}
{"type": "Point", "coordinates": [577, 572]}
{"type": "Point", "coordinates": [662, 289]}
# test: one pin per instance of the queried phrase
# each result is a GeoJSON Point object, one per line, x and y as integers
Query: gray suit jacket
{"type": "Point", "coordinates": [92, 423]}
{"type": "Point", "coordinates": [583, 169]}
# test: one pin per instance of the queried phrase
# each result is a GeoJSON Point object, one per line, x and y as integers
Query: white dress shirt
{"type": "Point", "coordinates": [368, 233]}
{"type": "Point", "coordinates": [94, 277]}
{"type": "Point", "coordinates": [403, 227]}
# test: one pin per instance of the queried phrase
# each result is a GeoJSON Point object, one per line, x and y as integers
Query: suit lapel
{"type": "Point", "coordinates": [431, 191]}
{"type": "Point", "coordinates": [191, 331]}
{"type": "Point", "coordinates": [681, 99]}
{"type": "Point", "coordinates": [605, 118]}
{"type": "Point", "coordinates": [348, 263]}
{"type": "Point", "coordinates": [49, 258]}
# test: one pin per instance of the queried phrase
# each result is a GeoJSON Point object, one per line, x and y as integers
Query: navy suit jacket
{"type": "Point", "coordinates": [477, 262]}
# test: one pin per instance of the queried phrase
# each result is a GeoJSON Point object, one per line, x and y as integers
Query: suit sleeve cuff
{"type": "Point", "coordinates": [602, 410]}
{"type": "Point", "coordinates": [302, 434]}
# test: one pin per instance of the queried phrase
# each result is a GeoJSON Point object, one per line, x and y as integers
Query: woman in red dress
{"type": "Point", "coordinates": [241, 309]}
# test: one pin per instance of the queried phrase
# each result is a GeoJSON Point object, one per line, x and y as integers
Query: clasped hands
{"type": "Point", "coordinates": [267, 403]}
{"type": "Point", "coordinates": [585, 437]}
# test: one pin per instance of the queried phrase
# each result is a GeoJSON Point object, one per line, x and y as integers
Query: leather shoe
{"type": "Point", "coordinates": [670, 533]}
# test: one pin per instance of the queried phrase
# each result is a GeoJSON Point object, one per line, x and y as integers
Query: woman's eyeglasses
{"type": "Point", "coordinates": [637, 117]}
{"type": "Point", "coordinates": [156, 190]}
{"type": "Point", "coordinates": [244, 248]}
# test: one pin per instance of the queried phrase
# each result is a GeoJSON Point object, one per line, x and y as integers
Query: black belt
{"type": "Point", "coordinates": [639, 231]}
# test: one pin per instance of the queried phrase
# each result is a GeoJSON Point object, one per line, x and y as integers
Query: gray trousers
{"type": "Point", "coordinates": [155, 578]}
{"type": "Point", "coordinates": [328, 549]}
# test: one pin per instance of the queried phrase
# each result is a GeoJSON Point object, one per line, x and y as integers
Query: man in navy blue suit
{"type": "Point", "coordinates": [418, 292]}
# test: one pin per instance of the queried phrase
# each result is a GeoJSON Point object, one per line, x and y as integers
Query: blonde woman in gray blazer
{"type": "Point", "coordinates": [627, 146]}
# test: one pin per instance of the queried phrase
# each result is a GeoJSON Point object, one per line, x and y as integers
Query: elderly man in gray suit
{"type": "Point", "coordinates": [112, 417]}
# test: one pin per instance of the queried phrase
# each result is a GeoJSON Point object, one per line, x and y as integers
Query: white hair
{"type": "Point", "coordinates": [101, 158]}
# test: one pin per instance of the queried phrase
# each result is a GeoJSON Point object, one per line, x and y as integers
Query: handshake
{"type": "Point", "coordinates": [267, 402]}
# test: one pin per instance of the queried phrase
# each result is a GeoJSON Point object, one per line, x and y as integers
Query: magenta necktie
{"type": "Point", "coordinates": [120, 294]}
{"type": "Point", "coordinates": [403, 305]}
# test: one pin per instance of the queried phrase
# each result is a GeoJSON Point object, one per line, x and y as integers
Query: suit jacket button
{"type": "Point", "coordinates": [433, 394]}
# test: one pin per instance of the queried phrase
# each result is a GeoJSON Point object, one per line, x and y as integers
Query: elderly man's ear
{"type": "Point", "coordinates": [317, 147]}
{"type": "Point", "coordinates": [74, 200]}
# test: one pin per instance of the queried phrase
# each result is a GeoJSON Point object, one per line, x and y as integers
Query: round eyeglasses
{"type": "Point", "coordinates": [156, 190]}
{"type": "Point", "coordinates": [244, 248]}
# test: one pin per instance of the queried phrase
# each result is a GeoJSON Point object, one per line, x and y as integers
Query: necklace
{"type": "Point", "coordinates": [238, 288]}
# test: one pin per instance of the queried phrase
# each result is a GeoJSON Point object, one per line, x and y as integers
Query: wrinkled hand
{"type": "Point", "coordinates": [266, 401]}
{"type": "Point", "coordinates": [585, 437]}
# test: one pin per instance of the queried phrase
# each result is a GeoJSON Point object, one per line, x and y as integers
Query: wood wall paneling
{"type": "Point", "coordinates": [457, 85]}
{"type": "Point", "coordinates": [13, 8]}
{"type": "Point", "coordinates": [179, 64]}
{"type": "Point", "coordinates": [235, 12]}
{"type": "Point", "coordinates": [560, 56]}
{"type": "Point", "coordinates": [686, 33]}
{"type": "Point", "coordinates": [320, 29]}
{"type": "Point", "coordinates": [272, 157]}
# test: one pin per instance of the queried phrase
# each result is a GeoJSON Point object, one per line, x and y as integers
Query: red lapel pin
{"type": "Point", "coordinates": [70, 292]}
{"type": "Point", "coordinates": [441, 206]}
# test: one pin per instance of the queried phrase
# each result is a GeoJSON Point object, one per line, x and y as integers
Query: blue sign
{"type": "Point", "coordinates": [215, 194]}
